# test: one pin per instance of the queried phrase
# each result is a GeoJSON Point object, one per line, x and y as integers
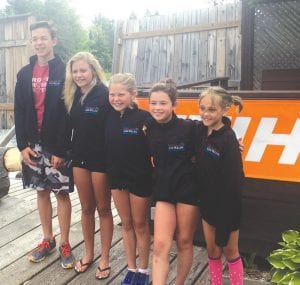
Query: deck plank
{"type": "Point", "coordinates": [20, 231]}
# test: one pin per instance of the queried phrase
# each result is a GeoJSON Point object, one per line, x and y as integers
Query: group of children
{"type": "Point", "coordinates": [134, 155]}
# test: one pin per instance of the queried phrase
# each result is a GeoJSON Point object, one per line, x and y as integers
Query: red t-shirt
{"type": "Point", "coordinates": [39, 84]}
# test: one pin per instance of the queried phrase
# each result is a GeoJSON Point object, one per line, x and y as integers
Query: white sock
{"type": "Point", "coordinates": [144, 271]}
{"type": "Point", "coordinates": [132, 269]}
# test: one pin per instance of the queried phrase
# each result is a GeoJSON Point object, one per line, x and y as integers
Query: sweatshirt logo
{"type": "Point", "coordinates": [176, 147]}
{"type": "Point", "coordinates": [91, 110]}
{"type": "Point", "coordinates": [130, 131]}
{"type": "Point", "coordinates": [212, 151]}
{"type": "Point", "coordinates": [54, 83]}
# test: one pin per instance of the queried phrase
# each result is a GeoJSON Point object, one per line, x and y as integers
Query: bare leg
{"type": "Point", "coordinates": [45, 211]}
{"type": "Point", "coordinates": [214, 254]}
{"type": "Point", "coordinates": [164, 228]}
{"type": "Point", "coordinates": [64, 215]}
{"type": "Point", "coordinates": [209, 231]}
{"type": "Point", "coordinates": [187, 217]}
{"type": "Point", "coordinates": [231, 250]}
{"type": "Point", "coordinates": [122, 202]}
{"type": "Point", "coordinates": [103, 201]}
{"type": "Point", "coordinates": [83, 181]}
{"type": "Point", "coordinates": [140, 215]}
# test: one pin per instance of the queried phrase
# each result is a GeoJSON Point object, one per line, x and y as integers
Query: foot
{"type": "Point", "coordinates": [82, 266]}
{"type": "Point", "coordinates": [102, 273]}
{"type": "Point", "coordinates": [66, 257]}
{"type": "Point", "coordinates": [142, 279]}
{"type": "Point", "coordinates": [129, 278]}
{"type": "Point", "coordinates": [43, 249]}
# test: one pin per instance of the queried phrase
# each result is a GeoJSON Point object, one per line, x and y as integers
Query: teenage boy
{"type": "Point", "coordinates": [43, 139]}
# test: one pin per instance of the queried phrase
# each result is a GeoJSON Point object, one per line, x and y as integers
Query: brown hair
{"type": "Point", "coordinates": [168, 86]}
{"type": "Point", "coordinates": [44, 24]}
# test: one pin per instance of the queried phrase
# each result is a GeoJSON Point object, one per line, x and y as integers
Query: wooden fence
{"type": "Point", "coordinates": [188, 47]}
{"type": "Point", "coordinates": [14, 53]}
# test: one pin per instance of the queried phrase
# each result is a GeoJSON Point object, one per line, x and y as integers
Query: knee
{"type": "Point", "coordinates": [63, 197]}
{"type": "Point", "coordinates": [231, 252]}
{"type": "Point", "coordinates": [104, 212]}
{"type": "Point", "coordinates": [141, 226]}
{"type": "Point", "coordinates": [184, 243]}
{"type": "Point", "coordinates": [159, 247]}
{"type": "Point", "coordinates": [127, 226]}
{"type": "Point", "coordinates": [87, 210]}
{"type": "Point", "coordinates": [214, 251]}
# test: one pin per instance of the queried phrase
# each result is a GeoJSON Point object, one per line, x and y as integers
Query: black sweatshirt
{"type": "Point", "coordinates": [54, 135]}
{"type": "Point", "coordinates": [128, 160]}
{"type": "Point", "coordinates": [88, 122]}
{"type": "Point", "coordinates": [220, 174]}
{"type": "Point", "coordinates": [172, 148]}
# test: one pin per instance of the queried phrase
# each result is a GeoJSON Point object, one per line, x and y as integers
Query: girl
{"type": "Point", "coordinates": [86, 99]}
{"type": "Point", "coordinates": [220, 173]}
{"type": "Point", "coordinates": [129, 172]}
{"type": "Point", "coordinates": [176, 212]}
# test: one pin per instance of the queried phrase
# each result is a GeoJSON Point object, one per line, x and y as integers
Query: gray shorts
{"type": "Point", "coordinates": [43, 176]}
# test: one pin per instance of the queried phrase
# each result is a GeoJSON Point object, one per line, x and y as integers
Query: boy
{"type": "Point", "coordinates": [43, 139]}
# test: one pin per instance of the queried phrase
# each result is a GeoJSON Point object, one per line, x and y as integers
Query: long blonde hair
{"type": "Point", "coordinates": [225, 98]}
{"type": "Point", "coordinates": [70, 87]}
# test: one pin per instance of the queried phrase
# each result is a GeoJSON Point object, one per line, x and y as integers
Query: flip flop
{"type": "Point", "coordinates": [102, 270]}
{"type": "Point", "coordinates": [87, 264]}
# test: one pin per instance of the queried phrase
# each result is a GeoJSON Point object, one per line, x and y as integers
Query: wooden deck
{"type": "Point", "coordinates": [20, 231]}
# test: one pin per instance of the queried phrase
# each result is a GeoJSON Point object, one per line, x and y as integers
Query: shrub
{"type": "Point", "coordinates": [286, 260]}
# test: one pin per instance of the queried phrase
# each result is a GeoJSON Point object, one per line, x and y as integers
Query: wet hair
{"type": "Point", "coordinates": [70, 86]}
{"type": "Point", "coordinates": [125, 79]}
{"type": "Point", "coordinates": [225, 99]}
{"type": "Point", "coordinates": [44, 24]}
{"type": "Point", "coordinates": [168, 86]}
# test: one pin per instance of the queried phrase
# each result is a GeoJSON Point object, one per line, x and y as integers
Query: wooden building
{"type": "Point", "coordinates": [15, 49]}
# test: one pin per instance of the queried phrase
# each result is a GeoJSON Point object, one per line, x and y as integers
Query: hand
{"type": "Point", "coordinates": [241, 144]}
{"type": "Point", "coordinates": [27, 153]}
{"type": "Point", "coordinates": [57, 162]}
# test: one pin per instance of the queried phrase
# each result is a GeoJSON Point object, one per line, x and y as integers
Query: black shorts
{"type": "Point", "coordinates": [93, 166]}
{"type": "Point", "coordinates": [43, 176]}
{"type": "Point", "coordinates": [143, 191]}
{"type": "Point", "coordinates": [185, 195]}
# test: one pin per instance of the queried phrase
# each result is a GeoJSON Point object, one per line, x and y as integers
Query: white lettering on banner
{"type": "Point", "coordinates": [241, 125]}
{"type": "Point", "coordinates": [264, 137]}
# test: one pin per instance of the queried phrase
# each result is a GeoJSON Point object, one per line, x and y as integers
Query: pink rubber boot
{"type": "Point", "coordinates": [236, 272]}
{"type": "Point", "coordinates": [215, 271]}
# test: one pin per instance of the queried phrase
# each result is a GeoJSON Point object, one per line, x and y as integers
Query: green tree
{"type": "Point", "coordinates": [72, 37]}
{"type": "Point", "coordinates": [101, 39]}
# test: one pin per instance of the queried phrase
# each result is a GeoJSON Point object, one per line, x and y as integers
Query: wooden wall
{"type": "Point", "coordinates": [14, 53]}
{"type": "Point", "coordinates": [189, 47]}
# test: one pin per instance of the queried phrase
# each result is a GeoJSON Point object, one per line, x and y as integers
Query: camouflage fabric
{"type": "Point", "coordinates": [43, 176]}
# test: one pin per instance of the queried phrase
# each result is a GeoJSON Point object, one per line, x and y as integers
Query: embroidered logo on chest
{"type": "Point", "coordinates": [91, 110]}
{"type": "Point", "coordinates": [130, 131]}
{"type": "Point", "coordinates": [54, 83]}
{"type": "Point", "coordinates": [212, 151]}
{"type": "Point", "coordinates": [176, 147]}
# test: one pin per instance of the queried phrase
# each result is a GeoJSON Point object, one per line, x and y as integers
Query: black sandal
{"type": "Point", "coordinates": [102, 270]}
{"type": "Point", "coordinates": [87, 264]}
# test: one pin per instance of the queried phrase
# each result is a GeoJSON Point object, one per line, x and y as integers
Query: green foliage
{"type": "Point", "coordinates": [98, 39]}
{"type": "Point", "coordinates": [286, 260]}
{"type": "Point", "coordinates": [249, 261]}
{"type": "Point", "coordinates": [72, 37]}
{"type": "Point", "coordinates": [101, 39]}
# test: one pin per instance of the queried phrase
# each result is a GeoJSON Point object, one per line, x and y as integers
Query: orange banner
{"type": "Point", "coordinates": [271, 133]}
